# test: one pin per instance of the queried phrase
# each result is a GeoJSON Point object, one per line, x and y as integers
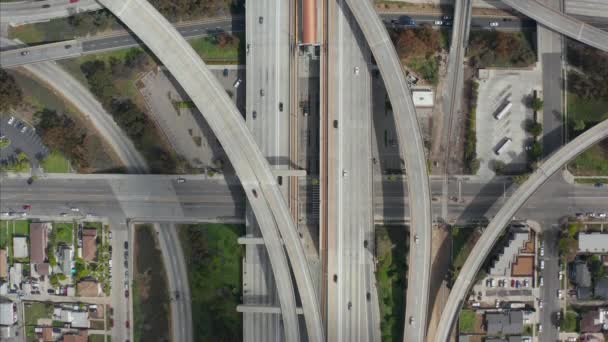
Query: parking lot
{"type": "Point", "coordinates": [497, 88]}
{"type": "Point", "coordinates": [23, 138]}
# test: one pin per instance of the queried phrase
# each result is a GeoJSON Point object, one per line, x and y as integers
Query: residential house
{"type": "Point", "coordinates": [89, 244]}
{"type": "Point", "coordinates": [81, 337]}
{"type": "Point", "coordinates": [38, 241]}
{"type": "Point", "coordinates": [20, 247]}
{"type": "Point", "coordinates": [67, 257]}
{"type": "Point", "coordinates": [594, 321]}
{"type": "Point", "coordinates": [47, 334]}
{"type": "Point", "coordinates": [505, 323]}
{"type": "Point", "coordinates": [3, 264]}
{"type": "Point", "coordinates": [76, 319]}
{"type": "Point", "coordinates": [8, 313]}
{"type": "Point", "coordinates": [592, 243]}
{"type": "Point", "coordinates": [582, 278]}
{"type": "Point", "coordinates": [601, 288]}
{"type": "Point", "coordinates": [89, 288]}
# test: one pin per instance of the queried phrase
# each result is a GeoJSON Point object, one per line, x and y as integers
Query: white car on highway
{"type": "Point", "coordinates": [494, 24]}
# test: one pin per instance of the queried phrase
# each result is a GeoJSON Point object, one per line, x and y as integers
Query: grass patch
{"type": "Point", "coordinates": [29, 34]}
{"type": "Point", "coordinates": [589, 110]}
{"type": "Point", "coordinates": [97, 325]}
{"type": "Point", "coordinates": [219, 47]}
{"type": "Point", "coordinates": [37, 310]}
{"type": "Point", "coordinates": [22, 227]}
{"type": "Point", "coordinates": [466, 322]}
{"type": "Point", "coordinates": [64, 232]}
{"type": "Point", "coordinates": [214, 259]}
{"type": "Point", "coordinates": [150, 290]}
{"type": "Point", "coordinates": [591, 180]}
{"type": "Point", "coordinates": [96, 338]}
{"type": "Point", "coordinates": [570, 322]}
{"type": "Point", "coordinates": [463, 240]}
{"type": "Point", "coordinates": [56, 163]}
{"type": "Point", "coordinates": [392, 248]}
{"type": "Point", "coordinates": [5, 142]}
{"type": "Point", "coordinates": [592, 162]}
{"type": "Point", "coordinates": [427, 68]}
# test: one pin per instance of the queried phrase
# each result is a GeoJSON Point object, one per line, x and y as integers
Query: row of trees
{"type": "Point", "coordinates": [10, 92]}
{"type": "Point", "coordinates": [500, 49]}
{"type": "Point", "coordinates": [60, 132]}
{"type": "Point", "coordinates": [176, 10]}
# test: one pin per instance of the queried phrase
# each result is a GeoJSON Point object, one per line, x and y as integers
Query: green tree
{"type": "Point", "coordinates": [534, 128]}
{"type": "Point", "coordinates": [537, 104]}
{"type": "Point", "coordinates": [536, 151]}
{"type": "Point", "coordinates": [10, 92]}
{"type": "Point", "coordinates": [579, 125]}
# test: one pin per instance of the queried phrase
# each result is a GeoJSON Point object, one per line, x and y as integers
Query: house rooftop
{"type": "Point", "coordinates": [505, 323]}
{"type": "Point", "coordinates": [20, 249]}
{"type": "Point", "coordinates": [3, 264]}
{"type": "Point", "coordinates": [38, 241]}
{"type": "Point", "coordinates": [593, 243]}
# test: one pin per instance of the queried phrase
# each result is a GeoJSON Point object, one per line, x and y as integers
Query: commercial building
{"type": "Point", "coordinates": [509, 260]}
{"type": "Point", "coordinates": [505, 323]}
{"type": "Point", "coordinates": [593, 243]}
{"type": "Point", "coordinates": [20, 250]}
{"type": "Point", "coordinates": [89, 244]}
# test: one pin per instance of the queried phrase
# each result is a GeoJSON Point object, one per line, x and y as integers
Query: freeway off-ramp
{"type": "Point", "coordinates": [493, 231]}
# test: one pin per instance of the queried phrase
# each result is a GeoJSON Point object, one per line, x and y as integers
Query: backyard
{"type": "Point", "coordinates": [392, 251]}
{"type": "Point", "coordinates": [33, 312]}
{"type": "Point", "coordinates": [10, 228]}
{"type": "Point", "coordinates": [214, 259]}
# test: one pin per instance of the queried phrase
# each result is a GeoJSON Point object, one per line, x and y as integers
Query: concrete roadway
{"type": "Point", "coordinates": [352, 304]}
{"type": "Point", "coordinates": [561, 23]}
{"type": "Point", "coordinates": [267, 70]}
{"type": "Point", "coordinates": [493, 231]}
{"type": "Point", "coordinates": [592, 8]}
{"type": "Point", "coordinates": [177, 275]}
{"type": "Point", "coordinates": [18, 13]}
{"type": "Point", "coordinates": [412, 149]}
{"type": "Point", "coordinates": [251, 167]}
{"type": "Point", "coordinates": [11, 57]}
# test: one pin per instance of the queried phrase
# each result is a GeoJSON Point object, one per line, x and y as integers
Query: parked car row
{"type": "Point", "coordinates": [515, 283]}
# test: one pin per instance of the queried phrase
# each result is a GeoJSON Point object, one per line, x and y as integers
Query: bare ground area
{"type": "Point", "coordinates": [458, 133]}
{"type": "Point", "coordinates": [438, 292]}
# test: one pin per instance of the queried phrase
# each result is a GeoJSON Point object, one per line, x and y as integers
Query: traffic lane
{"type": "Point", "coordinates": [27, 142]}
{"type": "Point", "coordinates": [125, 39]}
{"type": "Point", "coordinates": [27, 55]}
{"type": "Point", "coordinates": [401, 20]}
{"type": "Point", "coordinates": [550, 283]}
{"type": "Point", "coordinates": [33, 11]}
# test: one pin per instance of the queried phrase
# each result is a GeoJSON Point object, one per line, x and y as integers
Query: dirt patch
{"type": "Point", "coordinates": [439, 291]}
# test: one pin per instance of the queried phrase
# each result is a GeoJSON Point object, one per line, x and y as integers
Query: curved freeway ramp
{"type": "Point", "coordinates": [561, 23]}
{"type": "Point", "coordinates": [495, 228]}
{"type": "Point", "coordinates": [252, 169]}
{"type": "Point", "coordinates": [410, 142]}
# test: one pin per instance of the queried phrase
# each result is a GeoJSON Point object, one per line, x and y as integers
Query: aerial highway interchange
{"type": "Point", "coordinates": [259, 145]}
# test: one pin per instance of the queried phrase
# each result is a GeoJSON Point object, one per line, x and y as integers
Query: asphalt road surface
{"type": "Point", "coordinates": [352, 314]}
{"type": "Point", "coordinates": [24, 12]}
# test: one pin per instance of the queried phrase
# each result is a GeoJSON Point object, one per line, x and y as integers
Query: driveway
{"type": "Point", "coordinates": [28, 142]}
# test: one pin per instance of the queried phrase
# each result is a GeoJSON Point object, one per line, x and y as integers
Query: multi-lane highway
{"type": "Point", "coordinates": [252, 169]}
{"type": "Point", "coordinates": [267, 117]}
{"type": "Point", "coordinates": [505, 214]}
{"type": "Point", "coordinates": [412, 149]}
{"type": "Point", "coordinates": [23, 12]}
{"type": "Point", "coordinates": [561, 23]}
{"type": "Point", "coordinates": [353, 312]}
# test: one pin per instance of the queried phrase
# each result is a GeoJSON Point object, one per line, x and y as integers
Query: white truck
{"type": "Point", "coordinates": [503, 110]}
{"type": "Point", "coordinates": [504, 143]}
